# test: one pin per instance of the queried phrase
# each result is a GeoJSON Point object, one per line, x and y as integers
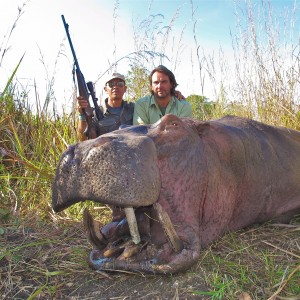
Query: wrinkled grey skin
{"type": "Point", "coordinates": [210, 178]}
{"type": "Point", "coordinates": [128, 178]}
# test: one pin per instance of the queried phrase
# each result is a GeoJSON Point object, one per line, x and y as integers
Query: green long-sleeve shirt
{"type": "Point", "coordinates": [147, 111]}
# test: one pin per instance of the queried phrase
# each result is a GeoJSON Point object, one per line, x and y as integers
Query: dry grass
{"type": "Point", "coordinates": [49, 262]}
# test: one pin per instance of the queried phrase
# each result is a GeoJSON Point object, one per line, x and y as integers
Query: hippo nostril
{"type": "Point", "coordinates": [141, 129]}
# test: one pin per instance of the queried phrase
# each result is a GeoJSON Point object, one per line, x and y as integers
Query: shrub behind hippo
{"type": "Point", "coordinates": [188, 181]}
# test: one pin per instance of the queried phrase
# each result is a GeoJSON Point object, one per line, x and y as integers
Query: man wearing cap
{"type": "Point", "coordinates": [162, 100]}
{"type": "Point", "coordinates": [116, 111]}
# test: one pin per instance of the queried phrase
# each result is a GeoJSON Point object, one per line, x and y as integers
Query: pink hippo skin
{"type": "Point", "coordinates": [209, 177]}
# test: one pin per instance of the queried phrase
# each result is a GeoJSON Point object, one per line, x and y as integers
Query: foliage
{"type": "Point", "coordinates": [30, 148]}
{"type": "Point", "coordinates": [262, 83]}
{"type": "Point", "coordinates": [137, 81]}
{"type": "Point", "coordinates": [202, 108]}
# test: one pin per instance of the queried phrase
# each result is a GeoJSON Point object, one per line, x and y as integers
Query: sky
{"type": "Point", "coordinates": [103, 31]}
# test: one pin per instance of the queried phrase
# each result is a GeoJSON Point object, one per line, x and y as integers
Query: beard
{"type": "Point", "coordinates": [162, 94]}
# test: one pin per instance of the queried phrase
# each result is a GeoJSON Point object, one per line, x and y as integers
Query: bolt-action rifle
{"type": "Point", "coordinates": [85, 90]}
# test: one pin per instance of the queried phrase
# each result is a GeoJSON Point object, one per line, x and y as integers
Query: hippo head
{"type": "Point", "coordinates": [152, 169]}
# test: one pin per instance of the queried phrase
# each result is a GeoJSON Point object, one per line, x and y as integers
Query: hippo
{"type": "Point", "coordinates": [177, 185]}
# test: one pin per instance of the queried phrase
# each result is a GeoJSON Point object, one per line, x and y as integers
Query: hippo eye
{"type": "Point", "coordinates": [173, 123]}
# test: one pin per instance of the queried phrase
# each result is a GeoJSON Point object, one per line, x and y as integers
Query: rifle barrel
{"type": "Point", "coordinates": [83, 88]}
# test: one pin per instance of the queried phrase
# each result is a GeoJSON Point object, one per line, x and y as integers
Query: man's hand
{"type": "Point", "coordinates": [81, 104]}
{"type": "Point", "coordinates": [179, 96]}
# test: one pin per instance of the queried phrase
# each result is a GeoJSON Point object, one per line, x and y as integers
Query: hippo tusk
{"type": "Point", "coordinates": [92, 228]}
{"type": "Point", "coordinates": [168, 227]}
{"type": "Point", "coordinates": [133, 228]}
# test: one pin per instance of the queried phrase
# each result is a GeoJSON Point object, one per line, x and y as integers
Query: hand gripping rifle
{"type": "Point", "coordinates": [85, 90]}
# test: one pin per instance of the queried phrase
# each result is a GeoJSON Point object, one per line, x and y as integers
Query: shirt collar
{"type": "Point", "coordinates": [153, 102]}
{"type": "Point", "coordinates": [105, 106]}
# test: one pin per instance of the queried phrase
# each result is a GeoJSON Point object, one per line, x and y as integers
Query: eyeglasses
{"type": "Point", "coordinates": [115, 83]}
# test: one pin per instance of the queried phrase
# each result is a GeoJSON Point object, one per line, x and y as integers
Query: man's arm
{"type": "Point", "coordinates": [140, 115]}
{"type": "Point", "coordinates": [179, 96]}
{"type": "Point", "coordinates": [81, 127]}
{"type": "Point", "coordinates": [186, 110]}
{"type": "Point", "coordinates": [82, 123]}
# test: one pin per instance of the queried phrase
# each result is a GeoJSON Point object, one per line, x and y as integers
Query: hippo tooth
{"type": "Point", "coordinates": [116, 250]}
{"type": "Point", "coordinates": [133, 228]}
{"type": "Point", "coordinates": [92, 228]}
{"type": "Point", "coordinates": [168, 228]}
{"type": "Point", "coordinates": [129, 251]}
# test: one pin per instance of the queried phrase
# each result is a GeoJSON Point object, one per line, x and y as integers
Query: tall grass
{"type": "Point", "coordinates": [30, 146]}
{"type": "Point", "coordinates": [263, 81]}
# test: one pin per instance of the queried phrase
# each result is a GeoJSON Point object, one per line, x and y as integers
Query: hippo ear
{"type": "Point", "coordinates": [202, 127]}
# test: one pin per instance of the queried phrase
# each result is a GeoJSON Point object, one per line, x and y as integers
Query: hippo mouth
{"type": "Point", "coordinates": [127, 241]}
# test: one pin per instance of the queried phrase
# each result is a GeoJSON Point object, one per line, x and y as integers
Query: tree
{"type": "Point", "coordinates": [202, 107]}
{"type": "Point", "coordinates": [137, 81]}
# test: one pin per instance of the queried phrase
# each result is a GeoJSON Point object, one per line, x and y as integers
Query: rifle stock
{"type": "Point", "coordinates": [85, 90]}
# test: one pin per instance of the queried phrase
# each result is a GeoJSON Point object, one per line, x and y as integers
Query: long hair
{"type": "Point", "coordinates": [166, 71]}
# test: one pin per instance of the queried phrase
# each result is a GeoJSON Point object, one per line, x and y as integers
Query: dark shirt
{"type": "Point", "coordinates": [113, 117]}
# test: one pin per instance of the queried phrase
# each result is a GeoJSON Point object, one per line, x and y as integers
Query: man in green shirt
{"type": "Point", "coordinates": [162, 100]}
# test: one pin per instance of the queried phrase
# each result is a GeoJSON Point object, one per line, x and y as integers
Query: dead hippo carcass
{"type": "Point", "coordinates": [188, 182]}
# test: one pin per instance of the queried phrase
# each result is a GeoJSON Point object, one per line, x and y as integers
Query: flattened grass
{"type": "Point", "coordinates": [49, 261]}
{"type": "Point", "coordinates": [259, 260]}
